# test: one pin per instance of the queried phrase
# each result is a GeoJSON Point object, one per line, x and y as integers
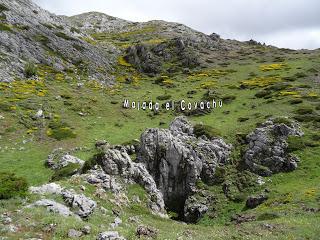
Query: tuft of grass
{"type": "Point", "coordinates": [30, 70]}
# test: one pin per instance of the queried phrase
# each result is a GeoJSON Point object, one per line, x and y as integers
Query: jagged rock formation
{"type": "Point", "coordinates": [118, 162]}
{"type": "Point", "coordinates": [34, 34]}
{"type": "Point", "coordinates": [267, 151]}
{"type": "Point", "coordinates": [82, 205]}
{"type": "Point", "coordinates": [176, 159]}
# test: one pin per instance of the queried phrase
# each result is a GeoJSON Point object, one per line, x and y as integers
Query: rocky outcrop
{"type": "Point", "coordinates": [267, 151]}
{"type": "Point", "coordinates": [60, 159]}
{"type": "Point", "coordinates": [150, 59]}
{"type": "Point", "coordinates": [118, 162]}
{"type": "Point", "coordinates": [98, 177]}
{"type": "Point", "coordinates": [177, 159]}
{"type": "Point", "coordinates": [82, 205]}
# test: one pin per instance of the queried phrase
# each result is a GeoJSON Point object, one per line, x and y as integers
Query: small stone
{"type": "Point", "coordinates": [145, 231]}
{"type": "Point", "coordinates": [86, 230]}
{"type": "Point", "coordinates": [72, 233]}
{"type": "Point", "coordinates": [254, 201]}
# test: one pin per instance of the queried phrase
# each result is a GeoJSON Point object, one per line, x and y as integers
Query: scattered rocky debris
{"type": "Point", "coordinates": [117, 221]}
{"type": "Point", "coordinates": [83, 205]}
{"type": "Point", "coordinates": [86, 230]}
{"type": "Point", "coordinates": [109, 236]}
{"type": "Point", "coordinates": [72, 233]}
{"type": "Point", "coordinates": [254, 201]}
{"type": "Point", "coordinates": [243, 218]}
{"type": "Point", "coordinates": [146, 231]}
{"type": "Point", "coordinates": [267, 151]}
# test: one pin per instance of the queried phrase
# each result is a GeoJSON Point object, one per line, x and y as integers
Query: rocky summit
{"type": "Point", "coordinates": [241, 161]}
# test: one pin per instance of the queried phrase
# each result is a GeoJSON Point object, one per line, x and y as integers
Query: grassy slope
{"type": "Point", "coordinates": [106, 119]}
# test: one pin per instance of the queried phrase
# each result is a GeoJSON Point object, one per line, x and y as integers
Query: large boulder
{"type": "Point", "coordinates": [177, 159]}
{"type": "Point", "coordinates": [267, 152]}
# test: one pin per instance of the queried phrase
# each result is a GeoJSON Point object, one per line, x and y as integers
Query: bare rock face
{"type": "Point", "coordinates": [34, 33]}
{"type": "Point", "coordinates": [118, 162]}
{"type": "Point", "coordinates": [176, 159]}
{"type": "Point", "coordinates": [267, 151]}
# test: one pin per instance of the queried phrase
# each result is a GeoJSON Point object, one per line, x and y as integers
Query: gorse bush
{"type": "Point", "coordinates": [65, 172]}
{"type": "Point", "coordinates": [30, 70]}
{"type": "Point", "coordinates": [205, 130]}
{"type": "Point", "coordinates": [12, 186]}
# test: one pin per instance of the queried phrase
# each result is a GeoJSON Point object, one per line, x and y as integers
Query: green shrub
{"type": "Point", "coordinates": [95, 160]}
{"type": "Point", "coordinates": [282, 120]}
{"type": "Point", "coordinates": [263, 94]}
{"type": "Point", "coordinates": [307, 118]}
{"type": "Point", "coordinates": [75, 30]}
{"type": "Point", "coordinates": [300, 75]}
{"type": "Point", "coordinates": [47, 25]}
{"type": "Point", "coordinates": [295, 144]}
{"type": "Point", "coordinates": [60, 131]}
{"type": "Point", "coordinates": [30, 70]}
{"type": "Point", "coordinates": [12, 186]}
{"type": "Point", "coordinates": [5, 27]}
{"type": "Point", "coordinates": [5, 107]}
{"type": "Point", "coordinates": [228, 98]}
{"type": "Point", "coordinates": [64, 36]}
{"type": "Point", "coordinates": [205, 130]}
{"type": "Point", "coordinates": [295, 101]}
{"type": "Point", "coordinates": [267, 216]}
{"type": "Point", "coordinates": [42, 39]}
{"type": "Point", "coordinates": [3, 8]}
{"type": "Point", "coordinates": [65, 172]}
{"type": "Point", "coordinates": [304, 111]}
{"type": "Point", "coordinates": [164, 97]}
{"type": "Point", "coordinates": [279, 87]}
